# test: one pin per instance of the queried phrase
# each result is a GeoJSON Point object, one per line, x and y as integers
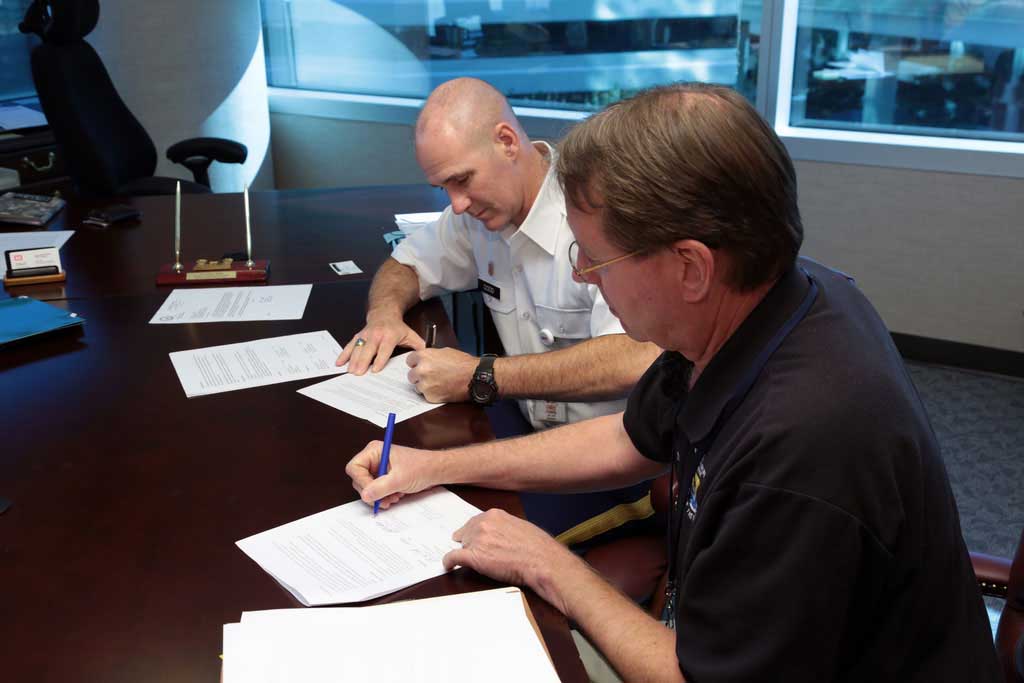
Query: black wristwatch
{"type": "Point", "coordinates": [483, 390]}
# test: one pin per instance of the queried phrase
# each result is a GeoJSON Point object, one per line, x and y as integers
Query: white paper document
{"type": "Point", "coordinates": [373, 395]}
{"type": "Point", "coordinates": [256, 363]}
{"type": "Point", "coordinates": [346, 554]}
{"type": "Point", "coordinates": [235, 304]}
{"type": "Point", "coordinates": [345, 268]}
{"type": "Point", "coordinates": [482, 636]}
{"type": "Point", "coordinates": [31, 240]}
{"type": "Point", "coordinates": [411, 222]}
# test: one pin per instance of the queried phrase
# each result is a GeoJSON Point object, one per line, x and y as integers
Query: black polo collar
{"type": "Point", "coordinates": [716, 385]}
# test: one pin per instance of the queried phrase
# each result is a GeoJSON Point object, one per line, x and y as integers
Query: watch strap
{"type": "Point", "coordinates": [486, 365]}
{"type": "Point", "coordinates": [483, 390]}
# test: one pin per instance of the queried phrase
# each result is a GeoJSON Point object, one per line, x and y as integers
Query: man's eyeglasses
{"type": "Point", "coordinates": [574, 254]}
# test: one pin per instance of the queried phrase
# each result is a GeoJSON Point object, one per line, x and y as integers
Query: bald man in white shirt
{"type": "Point", "coordinates": [505, 233]}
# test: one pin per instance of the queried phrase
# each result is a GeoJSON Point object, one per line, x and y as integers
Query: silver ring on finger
{"type": "Point", "coordinates": [360, 342]}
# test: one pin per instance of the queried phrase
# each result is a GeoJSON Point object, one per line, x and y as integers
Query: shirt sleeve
{"type": "Point", "coordinates": [650, 414]}
{"type": "Point", "coordinates": [601, 319]}
{"type": "Point", "coordinates": [774, 581]}
{"type": "Point", "coordinates": [441, 254]}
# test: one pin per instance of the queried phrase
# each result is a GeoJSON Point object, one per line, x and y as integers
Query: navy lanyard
{"type": "Point", "coordinates": [703, 447]}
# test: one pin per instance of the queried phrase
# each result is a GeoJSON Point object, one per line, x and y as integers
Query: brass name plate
{"type": "Point", "coordinates": [212, 275]}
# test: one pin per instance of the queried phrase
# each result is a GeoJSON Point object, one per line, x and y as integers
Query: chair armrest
{"type": "Point", "coordinates": [196, 154]}
{"type": "Point", "coordinates": [216, 149]}
{"type": "Point", "coordinates": [993, 574]}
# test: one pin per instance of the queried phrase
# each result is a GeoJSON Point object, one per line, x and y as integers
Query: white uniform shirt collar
{"type": "Point", "coordinates": [548, 211]}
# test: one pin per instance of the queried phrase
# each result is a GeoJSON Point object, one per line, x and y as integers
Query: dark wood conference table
{"type": "Point", "coordinates": [117, 558]}
{"type": "Point", "coordinates": [301, 231]}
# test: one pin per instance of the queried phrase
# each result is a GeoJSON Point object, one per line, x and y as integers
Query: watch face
{"type": "Point", "coordinates": [482, 392]}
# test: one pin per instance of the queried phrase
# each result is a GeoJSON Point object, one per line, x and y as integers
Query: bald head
{"type": "Point", "coordinates": [469, 142]}
{"type": "Point", "coordinates": [465, 109]}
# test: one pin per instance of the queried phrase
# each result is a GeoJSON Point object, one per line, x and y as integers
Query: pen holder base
{"type": "Point", "coordinates": [204, 272]}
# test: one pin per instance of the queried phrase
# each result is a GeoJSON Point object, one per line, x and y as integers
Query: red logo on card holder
{"type": "Point", "coordinates": [18, 257]}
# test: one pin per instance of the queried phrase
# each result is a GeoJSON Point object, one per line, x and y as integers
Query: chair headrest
{"type": "Point", "coordinates": [60, 21]}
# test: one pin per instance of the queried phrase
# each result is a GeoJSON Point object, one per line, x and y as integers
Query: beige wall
{"type": "Point", "coordinates": [310, 152]}
{"type": "Point", "coordinates": [941, 255]}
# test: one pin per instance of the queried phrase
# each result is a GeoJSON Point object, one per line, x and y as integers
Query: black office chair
{"type": "Point", "coordinates": [106, 150]}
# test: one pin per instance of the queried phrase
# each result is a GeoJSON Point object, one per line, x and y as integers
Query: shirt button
{"type": "Point", "coordinates": [526, 315]}
{"type": "Point", "coordinates": [518, 269]}
{"type": "Point", "coordinates": [561, 328]}
{"type": "Point", "coordinates": [546, 337]}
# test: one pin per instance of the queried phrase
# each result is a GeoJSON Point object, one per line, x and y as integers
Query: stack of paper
{"type": "Point", "coordinates": [408, 223]}
{"type": "Point", "coordinates": [230, 367]}
{"type": "Point", "coordinates": [411, 222]}
{"type": "Point", "coordinates": [236, 304]}
{"type": "Point", "coordinates": [484, 636]}
{"type": "Point", "coordinates": [347, 554]}
{"type": "Point", "coordinates": [373, 395]}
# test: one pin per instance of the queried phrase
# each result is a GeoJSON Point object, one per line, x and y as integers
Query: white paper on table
{"type": "Point", "coordinates": [257, 363]}
{"type": "Point", "coordinates": [234, 304]}
{"type": "Point", "coordinates": [346, 554]}
{"type": "Point", "coordinates": [373, 395]}
{"type": "Point", "coordinates": [345, 268]}
{"type": "Point", "coordinates": [31, 240]}
{"type": "Point", "coordinates": [481, 636]}
{"type": "Point", "coordinates": [240, 658]}
{"type": "Point", "coordinates": [411, 222]}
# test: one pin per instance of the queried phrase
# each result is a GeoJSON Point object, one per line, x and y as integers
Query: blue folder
{"type": "Point", "coordinates": [23, 317]}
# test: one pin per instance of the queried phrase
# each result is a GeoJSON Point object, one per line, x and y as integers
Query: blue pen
{"type": "Point", "coordinates": [385, 452]}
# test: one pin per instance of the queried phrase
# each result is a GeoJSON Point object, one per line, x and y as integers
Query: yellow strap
{"type": "Point", "coordinates": [606, 521]}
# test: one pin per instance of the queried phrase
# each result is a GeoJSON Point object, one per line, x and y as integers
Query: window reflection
{"type": "Point", "coordinates": [565, 54]}
{"type": "Point", "coordinates": [938, 67]}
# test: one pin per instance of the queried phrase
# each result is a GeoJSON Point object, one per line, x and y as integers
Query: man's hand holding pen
{"type": "Point", "coordinates": [409, 471]}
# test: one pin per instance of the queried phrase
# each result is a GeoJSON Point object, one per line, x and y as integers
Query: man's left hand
{"type": "Point", "coordinates": [441, 375]}
{"type": "Point", "coordinates": [512, 550]}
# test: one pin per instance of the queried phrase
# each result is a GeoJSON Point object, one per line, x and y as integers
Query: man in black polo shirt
{"type": "Point", "coordinates": [814, 536]}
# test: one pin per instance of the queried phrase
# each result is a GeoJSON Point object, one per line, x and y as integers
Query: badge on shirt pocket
{"type": "Point", "coordinates": [489, 289]}
{"type": "Point", "coordinates": [550, 411]}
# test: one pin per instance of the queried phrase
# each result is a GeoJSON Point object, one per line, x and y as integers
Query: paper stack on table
{"type": "Point", "coordinates": [482, 636]}
{"type": "Point", "coordinates": [256, 363]}
{"type": "Point", "coordinates": [411, 222]}
{"type": "Point", "coordinates": [234, 304]}
{"type": "Point", "coordinates": [408, 223]}
{"type": "Point", "coordinates": [373, 395]}
{"type": "Point", "coordinates": [347, 554]}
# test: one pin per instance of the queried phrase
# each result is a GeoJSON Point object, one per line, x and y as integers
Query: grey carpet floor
{"type": "Point", "coordinates": [979, 421]}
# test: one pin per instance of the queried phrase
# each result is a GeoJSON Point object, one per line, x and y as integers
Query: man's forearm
{"type": "Point", "coordinates": [639, 647]}
{"type": "Point", "coordinates": [395, 289]}
{"type": "Point", "coordinates": [598, 369]}
{"type": "Point", "coordinates": [587, 456]}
